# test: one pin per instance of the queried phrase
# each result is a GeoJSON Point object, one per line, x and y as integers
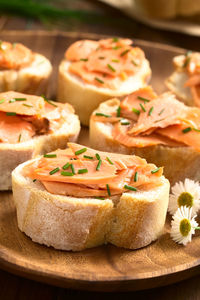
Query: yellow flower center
{"type": "Point", "coordinates": [185, 227]}
{"type": "Point", "coordinates": [185, 199]}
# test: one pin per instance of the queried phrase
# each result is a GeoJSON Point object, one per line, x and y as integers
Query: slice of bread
{"type": "Point", "coordinates": [132, 220]}
{"type": "Point", "coordinates": [179, 162]}
{"type": "Point", "coordinates": [11, 155]}
{"type": "Point", "coordinates": [32, 79]}
{"type": "Point", "coordinates": [86, 97]}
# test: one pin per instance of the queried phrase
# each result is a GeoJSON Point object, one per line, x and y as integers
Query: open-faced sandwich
{"type": "Point", "coordinates": [22, 70]}
{"type": "Point", "coordinates": [94, 71]}
{"type": "Point", "coordinates": [79, 198]}
{"type": "Point", "coordinates": [185, 81]}
{"type": "Point", "coordinates": [159, 128]}
{"type": "Point", "coordinates": [32, 125]}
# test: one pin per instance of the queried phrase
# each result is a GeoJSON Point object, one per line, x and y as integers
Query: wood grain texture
{"type": "Point", "coordinates": [105, 268]}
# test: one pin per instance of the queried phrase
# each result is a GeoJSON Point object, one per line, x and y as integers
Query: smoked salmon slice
{"type": "Point", "coordinates": [14, 56]}
{"type": "Point", "coordinates": [105, 63]}
{"type": "Point", "coordinates": [83, 172]}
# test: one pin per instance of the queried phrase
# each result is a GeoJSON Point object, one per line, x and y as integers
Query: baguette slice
{"type": "Point", "coordinates": [86, 97]}
{"type": "Point", "coordinates": [179, 162]}
{"type": "Point", "coordinates": [31, 79]}
{"type": "Point", "coordinates": [11, 155]}
{"type": "Point", "coordinates": [132, 221]}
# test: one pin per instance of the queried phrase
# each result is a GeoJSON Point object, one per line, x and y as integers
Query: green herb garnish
{"type": "Point", "coordinates": [136, 111]}
{"type": "Point", "coordinates": [125, 122]}
{"type": "Point", "coordinates": [110, 162]}
{"type": "Point", "coordinates": [102, 115]}
{"type": "Point", "coordinates": [81, 171]}
{"type": "Point", "coordinates": [98, 165]}
{"type": "Point", "coordinates": [162, 110]}
{"type": "Point", "coordinates": [64, 173]}
{"type": "Point", "coordinates": [34, 180]}
{"type": "Point", "coordinates": [131, 188]}
{"type": "Point", "coordinates": [155, 171]}
{"type": "Point", "coordinates": [54, 171]}
{"type": "Point", "coordinates": [115, 60]}
{"type": "Point", "coordinates": [2, 101]}
{"type": "Point", "coordinates": [50, 155]}
{"type": "Point", "coordinates": [115, 39]}
{"type": "Point", "coordinates": [136, 176]}
{"type": "Point", "coordinates": [124, 52]}
{"type": "Point", "coordinates": [19, 138]}
{"type": "Point", "coordinates": [48, 101]}
{"type": "Point", "coordinates": [20, 99]}
{"type": "Point", "coordinates": [118, 111]}
{"type": "Point", "coordinates": [66, 166]}
{"type": "Point", "coordinates": [11, 113]}
{"type": "Point", "coordinates": [98, 156]}
{"type": "Point", "coordinates": [27, 105]}
{"type": "Point", "coordinates": [99, 198]}
{"type": "Point", "coordinates": [89, 157]}
{"type": "Point", "coordinates": [150, 111]}
{"type": "Point", "coordinates": [134, 63]}
{"type": "Point", "coordinates": [72, 168]}
{"type": "Point", "coordinates": [99, 80]}
{"type": "Point", "coordinates": [108, 190]}
{"type": "Point", "coordinates": [111, 68]}
{"type": "Point", "coordinates": [143, 99]}
{"type": "Point", "coordinates": [186, 129]}
{"type": "Point", "coordinates": [142, 107]}
{"type": "Point", "coordinates": [84, 59]}
{"type": "Point", "coordinates": [80, 151]}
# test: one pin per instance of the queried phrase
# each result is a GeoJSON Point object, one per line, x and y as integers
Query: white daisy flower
{"type": "Point", "coordinates": [183, 225]}
{"type": "Point", "coordinates": [185, 193]}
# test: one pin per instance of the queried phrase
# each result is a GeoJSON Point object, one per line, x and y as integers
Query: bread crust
{"type": "Point", "coordinates": [30, 80]}
{"type": "Point", "coordinates": [11, 155]}
{"type": "Point", "coordinates": [179, 162]}
{"type": "Point", "coordinates": [86, 97]}
{"type": "Point", "coordinates": [70, 223]}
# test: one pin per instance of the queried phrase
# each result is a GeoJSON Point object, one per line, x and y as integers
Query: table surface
{"type": "Point", "coordinates": [15, 287]}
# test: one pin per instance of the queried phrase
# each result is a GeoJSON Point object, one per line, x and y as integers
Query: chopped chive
{"type": "Point", "coordinates": [80, 151]}
{"type": "Point", "coordinates": [134, 63]}
{"type": "Point", "coordinates": [124, 52]}
{"type": "Point", "coordinates": [84, 59]}
{"type": "Point", "coordinates": [64, 173]}
{"type": "Point", "coordinates": [12, 101]}
{"type": "Point", "coordinates": [155, 171]}
{"type": "Point", "coordinates": [98, 165]}
{"type": "Point", "coordinates": [187, 59]}
{"type": "Point", "coordinates": [186, 129]}
{"type": "Point", "coordinates": [66, 166]}
{"type": "Point", "coordinates": [99, 80]}
{"type": "Point", "coordinates": [131, 188]}
{"type": "Point", "coordinates": [34, 180]}
{"type": "Point", "coordinates": [111, 68]}
{"type": "Point", "coordinates": [102, 115]}
{"type": "Point", "coordinates": [72, 168]}
{"type": "Point", "coordinates": [115, 60]}
{"type": "Point", "coordinates": [162, 110]}
{"type": "Point", "coordinates": [11, 113]}
{"type": "Point", "coordinates": [48, 101]}
{"type": "Point", "coordinates": [142, 107]}
{"type": "Point", "coordinates": [20, 99]}
{"type": "Point", "coordinates": [136, 176]}
{"type": "Point", "coordinates": [50, 155]}
{"type": "Point", "coordinates": [115, 39]}
{"type": "Point", "coordinates": [143, 99]}
{"type": "Point", "coordinates": [87, 156]}
{"type": "Point", "coordinates": [27, 105]}
{"type": "Point", "coordinates": [125, 122]}
{"type": "Point", "coordinates": [118, 111]}
{"type": "Point", "coordinates": [108, 190]}
{"type": "Point", "coordinates": [2, 101]}
{"type": "Point", "coordinates": [150, 111]}
{"type": "Point", "coordinates": [19, 138]}
{"type": "Point", "coordinates": [136, 111]}
{"type": "Point", "coordinates": [81, 171]}
{"type": "Point", "coordinates": [99, 198]}
{"type": "Point", "coordinates": [198, 130]}
{"type": "Point", "coordinates": [108, 159]}
{"type": "Point", "coordinates": [54, 171]}
{"type": "Point", "coordinates": [101, 57]}
{"type": "Point", "coordinates": [98, 156]}
{"type": "Point", "coordinates": [116, 47]}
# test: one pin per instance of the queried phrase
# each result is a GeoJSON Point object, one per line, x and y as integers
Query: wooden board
{"type": "Point", "coordinates": [105, 268]}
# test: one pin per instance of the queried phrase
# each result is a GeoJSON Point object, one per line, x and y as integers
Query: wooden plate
{"type": "Point", "coordinates": [105, 268]}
